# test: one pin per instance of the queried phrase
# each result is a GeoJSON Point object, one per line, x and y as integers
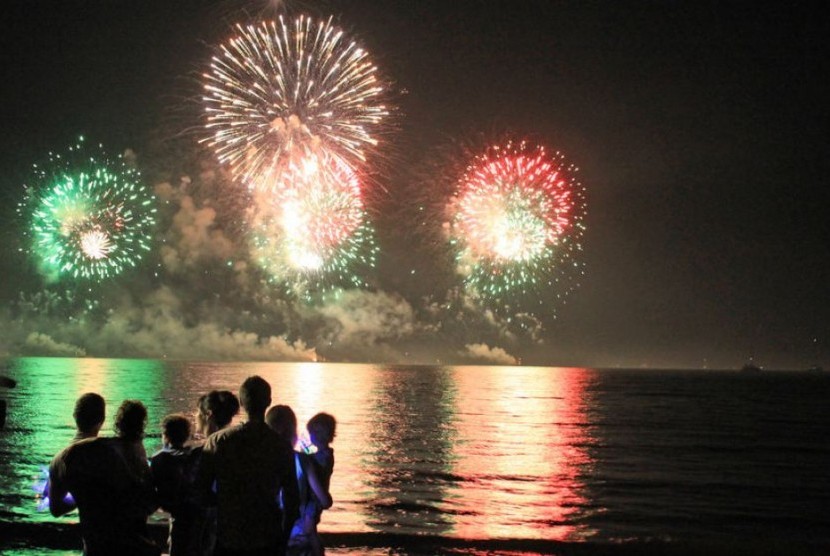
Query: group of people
{"type": "Point", "coordinates": [230, 490]}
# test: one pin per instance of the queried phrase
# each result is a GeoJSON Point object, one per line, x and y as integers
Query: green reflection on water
{"type": "Point", "coordinates": [42, 430]}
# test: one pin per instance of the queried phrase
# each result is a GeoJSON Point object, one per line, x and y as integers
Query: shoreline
{"type": "Point", "coordinates": [63, 536]}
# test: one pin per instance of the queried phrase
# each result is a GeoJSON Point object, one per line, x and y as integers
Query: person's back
{"type": "Point", "coordinates": [249, 460]}
{"type": "Point", "coordinates": [173, 477]}
{"type": "Point", "coordinates": [108, 497]}
{"type": "Point", "coordinates": [250, 463]}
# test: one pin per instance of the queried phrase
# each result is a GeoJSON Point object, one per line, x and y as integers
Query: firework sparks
{"type": "Point", "coordinates": [89, 216]}
{"type": "Point", "coordinates": [286, 86]}
{"type": "Point", "coordinates": [516, 221]}
{"type": "Point", "coordinates": [311, 228]}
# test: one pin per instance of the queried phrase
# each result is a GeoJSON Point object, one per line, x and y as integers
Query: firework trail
{"type": "Point", "coordinates": [311, 229]}
{"type": "Point", "coordinates": [280, 89]}
{"type": "Point", "coordinates": [516, 223]}
{"type": "Point", "coordinates": [89, 216]}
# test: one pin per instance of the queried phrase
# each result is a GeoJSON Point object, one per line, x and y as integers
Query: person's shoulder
{"type": "Point", "coordinates": [220, 437]}
{"type": "Point", "coordinates": [59, 459]}
{"type": "Point", "coordinates": [83, 453]}
{"type": "Point", "coordinates": [89, 446]}
{"type": "Point", "coordinates": [195, 444]}
{"type": "Point", "coordinates": [264, 437]}
{"type": "Point", "coordinates": [161, 456]}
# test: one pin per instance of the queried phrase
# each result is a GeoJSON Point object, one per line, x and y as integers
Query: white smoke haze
{"type": "Point", "coordinates": [201, 295]}
{"type": "Point", "coordinates": [193, 236]}
{"type": "Point", "coordinates": [367, 325]}
{"type": "Point", "coordinates": [158, 329]}
{"type": "Point", "coordinates": [482, 353]}
{"type": "Point", "coordinates": [41, 344]}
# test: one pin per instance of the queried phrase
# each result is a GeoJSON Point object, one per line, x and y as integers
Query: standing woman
{"type": "Point", "coordinates": [215, 411]}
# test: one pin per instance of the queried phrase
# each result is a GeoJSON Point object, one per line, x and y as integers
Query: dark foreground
{"type": "Point", "coordinates": [25, 538]}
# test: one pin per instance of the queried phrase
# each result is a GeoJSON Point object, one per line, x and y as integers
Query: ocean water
{"type": "Point", "coordinates": [490, 460]}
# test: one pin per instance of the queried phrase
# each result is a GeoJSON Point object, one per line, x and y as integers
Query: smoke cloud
{"type": "Point", "coordinates": [482, 353]}
{"type": "Point", "coordinates": [202, 295]}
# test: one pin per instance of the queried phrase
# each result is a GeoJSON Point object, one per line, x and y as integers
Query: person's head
{"type": "Point", "coordinates": [282, 419]}
{"type": "Point", "coordinates": [322, 429]}
{"type": "Point", "coordinates": [255, 396]}
{"type": "Point", "coordinates": [217, 409]}
{"type": "Point", "coordinates": [89, 413]}
{"type": "Point", "coordinates": [175, 430]}
{"type": "Point", "coordinates": [131, 420]}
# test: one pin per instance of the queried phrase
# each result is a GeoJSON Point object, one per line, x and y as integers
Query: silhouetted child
{"type": "Point", "coordinates": [172, 468]}
{"type": "Point", "coordinates": [322, 429]}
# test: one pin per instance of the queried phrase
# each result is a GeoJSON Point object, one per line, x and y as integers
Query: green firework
{"type": "Point", "coordinates": [89, 215]}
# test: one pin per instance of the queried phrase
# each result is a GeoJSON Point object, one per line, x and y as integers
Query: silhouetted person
{"type": "Point", "coordinates": [89, 415]}
{"type": "Point", "coordinates": [110, 489]}
{"type": "Point", "coordinates": [304, 538]}
{"type": "Point", "coordinates": [172, 468]}
{"type": "Point", "coordinates": [250, 465]}
{"type": "Point", "coordinates": [215, 411]}
{"type": "Point", "coordinates": [322, 428]}
{"type": "Point", "coordinates": [130, 422]}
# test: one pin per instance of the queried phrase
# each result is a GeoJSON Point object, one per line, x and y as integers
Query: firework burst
{"type": "Point", "coordinates": [516, 221]}
{"type": "Point", "coordinates": [89, 216]}
{"type": "Point", "coordinates": [311, 229]}
{"type": "Point", "coordinates": [284, 88]}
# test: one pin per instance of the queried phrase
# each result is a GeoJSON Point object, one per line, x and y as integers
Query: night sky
{"type": "Point", "coordinates": [700, 131]}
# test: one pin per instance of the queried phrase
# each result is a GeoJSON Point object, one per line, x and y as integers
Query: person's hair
{"type": "Point", "coordinates": [221, 404]}
{"type": "Point", "coordinates": [176, 427]}
{"type": "Point", "coordinates": [89, 411]}
{"type": "Point", "coordinates": [130, 420]}
{"type": "Point", "coordinates": [282, 419]}
{"type": "Point", "coordinates": [322, 425]}
{"type": "Point", "coordinates": [255, 395]}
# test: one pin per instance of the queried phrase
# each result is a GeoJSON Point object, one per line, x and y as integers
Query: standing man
{"type": "Point", "coordinates": [247, 466]}
{"type": "Point", "coordinates": [89, 414]}
{"type": "Point", "coordinates": [111, 498]}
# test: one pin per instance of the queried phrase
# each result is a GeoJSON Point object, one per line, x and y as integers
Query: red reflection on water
{"type": "Point", "coordinates": [341, 390]}
{"type": "Point", "coordinates": [522, 437]}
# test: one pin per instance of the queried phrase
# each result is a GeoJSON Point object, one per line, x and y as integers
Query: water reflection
{"type": "Point", "coordinates": [342, 390]}
{"type": "Point", "coordinates": [410, 459]}
{"type": "Point", "coordinates": [464, 451]}
{"type": "Point", "coordinates": [40, 419]}
{"type": "Point", "coordinates": [522, 451]}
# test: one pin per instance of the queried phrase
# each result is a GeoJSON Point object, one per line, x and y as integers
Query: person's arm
{"type": "Point", "coordinates": [317, 487]}
{"type": "Point", "coordinates": [290, 491]}
{"type": "Point", "coordinates": [56, 490]}
{"type": "Point", "coordinates": [203, 493]}
{"type": "Point", "coordinates": [147, 488]}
